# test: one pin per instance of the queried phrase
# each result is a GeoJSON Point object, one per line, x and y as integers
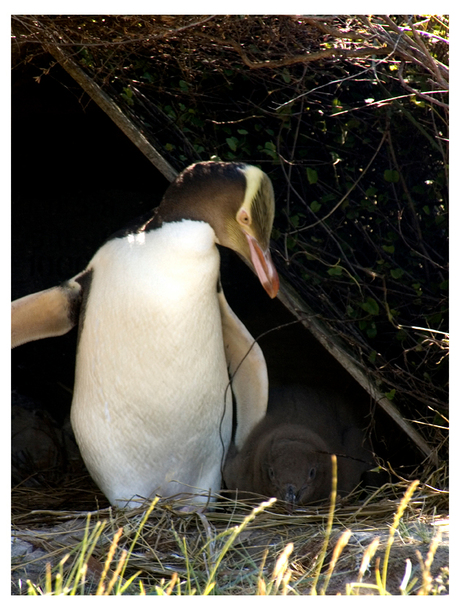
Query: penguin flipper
{"type": "Point", "coordinates": [248, 372]}
{"type": "Point", "coordinates": [48, 313]}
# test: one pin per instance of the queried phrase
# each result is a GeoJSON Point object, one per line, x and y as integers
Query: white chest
{"type": "Point", "coordinates": [154, 293]}
{"type": "Point", "coordinates": [151, 377]}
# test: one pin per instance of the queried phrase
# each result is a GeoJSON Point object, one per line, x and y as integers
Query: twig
{"type": "Point", "coordinates": [318, 23]}
{"type": "Point", "coordinates": [422, 94]}
{"type": "Point", "coordinates": [429, 57]}
{"type": "Point", "coordinates": [296, 59]}
{"type": "Point", "coordinates": [413, 51]}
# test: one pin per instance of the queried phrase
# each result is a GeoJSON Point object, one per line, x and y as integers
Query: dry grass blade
{"type": "Point", "coordinates": [426, 565]}
{"type": "Point", "coordinates": [402, 507]}
{"type": "Point", "coordinates": [329, 523]}
{"type": "Point", "coordinates": [367, 557]}
{"type": "Point", "coordinates": [111, 553]}
{"type": "Point", "coordinates": [341, 544]}
{"type": "Point", "coordinates": [281, 573]}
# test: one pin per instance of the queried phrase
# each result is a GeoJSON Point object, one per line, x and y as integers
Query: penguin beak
{"type": "Point", "coordinates": [290, 497]}
{"type": "Point", "coordinates": [264, 267]}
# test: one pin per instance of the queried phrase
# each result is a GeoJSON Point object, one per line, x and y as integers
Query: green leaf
{"type": "Point", "coordinates": [352, 123]}
{"type": "Point", "coordinates": [390, 395]}
{"type": "Point", "coordinates": [397, 273]}
{"type": "Point", "coordinates": [170, 112]}
{"type": "Point", "coordinates": [315, 206]}
{"type": "Point", "coordinates": [391, 175]}
{"type": "Point", "coordinates": [388, 249]}
{"type": "Point", "coordinates": [352, 214]}
{"type": "Point", "coordinates": [371, 191]}
{"type": "Point", "coordinates": [312, 175]}
{"type": "Point", "coordinates": [286, 76]}
{"type": "Point", "coordinates": [232, 143]}
{"type": "Point", "coordinates": [371, 306]}
{"type": "Point", "coordinates": [243, 132]}
{"type": "Point", "coordinates": [335, 271]}
{"type": "Point", "coordinates": [270, 150]}
{"type": "Point", "coordinates": [371, 331]}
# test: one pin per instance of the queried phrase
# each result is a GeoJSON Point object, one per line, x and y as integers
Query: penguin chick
{"type": "Point", "coordinates": [281, 460]}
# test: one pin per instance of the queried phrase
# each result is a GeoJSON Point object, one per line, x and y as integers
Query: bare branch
{"type": "Point", "coordinates": [297, 59]}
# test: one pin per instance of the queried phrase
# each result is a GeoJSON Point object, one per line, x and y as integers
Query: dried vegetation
{"type": "Point", "coordinates": [361, 547]}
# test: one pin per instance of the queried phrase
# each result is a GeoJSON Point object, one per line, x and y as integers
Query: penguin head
{"type": "Point", "coordinates": [237, 200]}
{"type": "Point", "coordinates": [297, 473]}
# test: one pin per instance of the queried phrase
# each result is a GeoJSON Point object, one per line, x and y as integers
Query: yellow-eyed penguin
{"type": "Point", "coordinates": [152, 407]}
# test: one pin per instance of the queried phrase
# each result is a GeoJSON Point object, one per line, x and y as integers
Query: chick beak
{"type": "Point", "coordinates": [290, 498]}
{"type": "Point", "coordinates": [264, 267]}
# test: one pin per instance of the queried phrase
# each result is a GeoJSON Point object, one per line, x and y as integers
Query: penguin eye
{"type": "Point", "coordinates": [312, 473]}
{"type": "Point", "coordinates": [243, 217]}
